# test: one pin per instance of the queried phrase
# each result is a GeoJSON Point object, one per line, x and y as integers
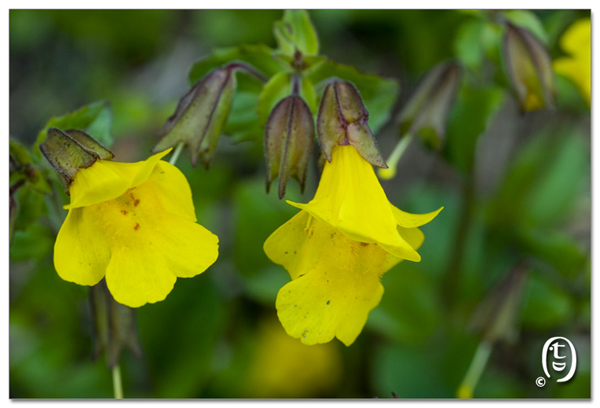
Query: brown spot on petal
{"type": "Point", "coordinates": [364, 244]}
{"type": "Point", "coordinates": [136, 202]}
{"type": "Point", "coordinates": [124, 212]}
{"type": "Point", "coordinates": [137, 226]}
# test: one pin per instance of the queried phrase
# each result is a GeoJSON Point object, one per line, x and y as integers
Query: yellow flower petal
{"type": "Point", "coordinates": [105, 180]}
{"type": "Point", "coordinates": [337, 280]}
{"type": "Point", "coordinates": [81, 254]}
{"type": "Point", "coordinates": [172, 190]}
{"type": "Point", "coordinates": [189, 247]}
{"type": "Point", "coordinates": [578, 66]}
{"type": "Point", "coordinates": [413, 236]}
{"type": "Point", "coordinates": [351, 199]}
{"type": "Point", "coordinates": [578, 37]}
{"type": "Point", "coordinates": [286, 245]}
{"type": "Point", "coordinates": [137, 274]}
{"type": "Point", "coordinates": [408, 220]}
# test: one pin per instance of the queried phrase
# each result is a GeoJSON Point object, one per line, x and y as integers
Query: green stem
{"type": "Point", "coordinates": [451, 278]}
{"type": "Point", "coordinates": [467, 387]}
{"type": "Point", "coordinates": [117, 384]}
{"type": "Point", "coordinates": [176, 154]}
{"type": "Point", "coordinates": [394, 158]}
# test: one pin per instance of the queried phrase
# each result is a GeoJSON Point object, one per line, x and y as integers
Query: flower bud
{"type": "Point", "coordinates": [289, 140]}
{"type": "Point", "coordinates": [426, 112]}
{"type": "Point", "coordinates": [70, 151]}
{"type": "Point", "coordinates": [495, 317]}
{"type": "Point", "coordinates": [114, 325]}
{"type": "Point", "coordinates": [343, 120]}
{"type": "Point", "coordinates": [529, 68]}
{"type": "Point", "coordinates": [200, 116]}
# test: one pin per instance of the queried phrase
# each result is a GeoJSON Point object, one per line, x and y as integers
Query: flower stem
{"type": "Point", "coordinates": [475, 370]}
{"type": "Point", "coordinates": [176, 154]}
{"type": "Point", "coordinates": [117, 384]}
{"type": "Point", "coordinates": [394, 158]}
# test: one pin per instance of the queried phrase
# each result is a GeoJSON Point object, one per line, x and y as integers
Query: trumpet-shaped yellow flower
{"type": "Point", "coordinates": [337, 249]}
{"type": "Point", "coordinates": [577, 41]}
{"type": "Point", "coordinates": [135, 224]}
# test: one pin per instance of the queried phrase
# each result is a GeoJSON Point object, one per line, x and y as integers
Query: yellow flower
{"type": "Point", "coordinates": [576, 41]}
{"type": "Point", "coordinates": [337, 249]}
{"type": "Point", "coordinates": [277, 358]}
{"type": "Point", "coordinates": [135, 224]}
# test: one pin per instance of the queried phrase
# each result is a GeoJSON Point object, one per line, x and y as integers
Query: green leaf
{"type": "Point", "coordinates": [95, 119]}
{"type": "Point", "coordinates": [546, 304]}
{"type": "Point", "coordinates": [378, 94]}
{"type": "Point", "coordinates": [31, 207]}
{"type": "Point", "coordinates": [557, 248]}
{"type": "Point", "coordinates": [259, 56]}
{"type": "Point", "coordinates": [541, 186]}
{"type": "Point", "coordinates": [274, 91]}
{"type": "Point", "coordinates": [528, 20]}
{"type": "Point", "coordinates": [19, 152]}
{"type": "Point", "coordinates": [243, 124]}
{"type": "Point", "coordinates": [278, 88]}
{"type": "Point", "coordinates": [25, 169]}
{"type": "Point", "coordinates": [408, 310]}
{"type": "Point", "coordinates": [296, 32]}
{"type": "Point", "coordinates": [472, 113]}
{"type": "Point", "coordinates": [257, 215]}
{"type": "Point", "coordinates": [468, 46]}
{"type": "Point", "coordinates": [34, 243]}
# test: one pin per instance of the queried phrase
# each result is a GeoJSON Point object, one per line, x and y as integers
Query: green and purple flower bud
{"type": "Point", "coordinates": [70, 150]}
{"type": "Point", "coordinates": [426, 113]}
{"type": "Point", "coordinates": [200, 116]}
{"type": "Point", "coordinates": [529, 69]}
{"type": "Point", "coordinates": [289, 142]}
{"type": "Point", "coordinates": [343, 120]}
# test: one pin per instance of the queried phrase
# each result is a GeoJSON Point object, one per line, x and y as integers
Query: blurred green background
{"type": "Point", "coordinates": [514, 186]}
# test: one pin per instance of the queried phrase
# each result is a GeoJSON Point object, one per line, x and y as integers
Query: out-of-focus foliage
{"type": "Point", "coordinates": [513, 185]}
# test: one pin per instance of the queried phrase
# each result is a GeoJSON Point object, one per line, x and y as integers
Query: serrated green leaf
{"type": "Point", "coordinates": [378, 94]}
{"type": "Point", "coordinates": [296, 32]}
{"type": "Point", "coordinates": [473, 111]}
{"type": "Point", "coordinates": [95, 119]}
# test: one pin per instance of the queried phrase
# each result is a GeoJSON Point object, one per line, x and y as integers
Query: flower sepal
{"type": "Point", "coordinates": [70, 150]}
{"type": "Point", "coordinates": [343, 121]}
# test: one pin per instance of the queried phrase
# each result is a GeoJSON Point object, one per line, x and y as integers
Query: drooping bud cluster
{"type": "Point", "coordinates": [426, 112]}
{"type": "Point", "coordinates": [343, 120]}
{"type": "Point", "coordinates": [70, 150]}
{"type": "Point", "coordinates": [200, 116]}
{"type": "Point", "coordinates": [529, 68]}
{"type": "Point", "coordinates": [289, 141]}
